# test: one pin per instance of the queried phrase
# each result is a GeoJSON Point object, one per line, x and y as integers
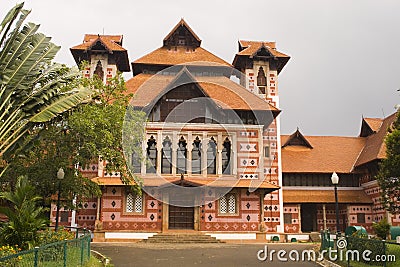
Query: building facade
{"type": "Point", "coordinates": [214, 158]}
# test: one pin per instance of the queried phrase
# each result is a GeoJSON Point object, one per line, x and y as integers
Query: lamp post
{"type": "Point", "coordinates": [60, 176]}
{"type": "Point", "coordinates": [335, 182]}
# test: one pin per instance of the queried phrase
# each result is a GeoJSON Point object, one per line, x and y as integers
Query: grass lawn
{"type": "Point", "coordinates": [392, 254]}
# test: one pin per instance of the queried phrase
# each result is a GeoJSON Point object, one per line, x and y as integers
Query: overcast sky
{"type": "Point", "coordinates": [345, 55]}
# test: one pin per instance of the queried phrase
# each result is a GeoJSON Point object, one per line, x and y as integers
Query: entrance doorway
{"type": "Point", "coordinates": [181, 217]}
{"type": "Point", "coordinates": [308, 217]}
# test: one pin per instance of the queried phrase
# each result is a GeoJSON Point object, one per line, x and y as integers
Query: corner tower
{"type": "Point", "coordinates": [261, 63]}
{"type": "Point", "coordinates": [104, 54]}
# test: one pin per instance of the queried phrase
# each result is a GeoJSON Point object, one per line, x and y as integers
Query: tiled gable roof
{"type": "Point", "coordinates": [250, 48]}
{"type": "Point", "coordinates": [297, 138]}
{"type": "Point", "coordinates": [374, 123]}
{"type": "Point", "coordinates": [329, 154]}
{"type": "Point", "coordinates": [375, 147]}
{"type": "Point", "coordinates": [110, 42]}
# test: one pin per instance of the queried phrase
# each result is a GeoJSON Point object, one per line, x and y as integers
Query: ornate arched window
{"type": "Point", "coordinates": [196, 156]}
{"type": "Point", "coordinates": [181, 156]}
{"type": "Point", "coordinates": [261, 79]}
{"type": "Point", "coordinates": [226, 156]}
{"type": "Point", "coordinates": [212, 157]}
{"type": "Point", "coordinates": [166, 164]}
{"type": "Point", "coordinates": [151, 155]}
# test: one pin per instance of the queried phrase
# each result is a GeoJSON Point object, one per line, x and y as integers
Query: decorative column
{"type": "Point", "coordinates": [219, 153]}
{"type": "Point", "coordinates": [189, 153]}
{"type": "Point", "coordinates": [159, 152]}
{"type": "Point", "coordinates": [324, 215]}
{"type": "Point", "coordinates": [174, 151]}
{"type": "Point", "coordinates": [204, 147]}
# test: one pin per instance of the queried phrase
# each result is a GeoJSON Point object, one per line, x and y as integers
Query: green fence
{"type": "Point", "coordinates": [75, 252]}
{"type": "Point", "coordinates": [326, 241]}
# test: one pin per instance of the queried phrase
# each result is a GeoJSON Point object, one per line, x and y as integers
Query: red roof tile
{"type": "Point", "coordinates": [374, 123]}
{"type": "Point", "coordinates": [251, 48]}
{"type": "Point", "coordinates": [170, 57]}
{"type": "Point", "coordinates": [111, 42]}
{"type": "Point", "coordinates": [329, 154]}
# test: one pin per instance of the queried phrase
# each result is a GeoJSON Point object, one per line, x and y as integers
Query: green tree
{"type": "Point", "coordinates": [389, 173]}
{"type": "Point", "coordinates": [79, 138]}
{"type": "Point", "coordinates": [33, 90]}
{"type": "Point", "coordinates": [25, 216]}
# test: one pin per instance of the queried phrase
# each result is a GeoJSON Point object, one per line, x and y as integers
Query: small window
{"type": "Point", "coordinates": [267, 152]}
{"type": "Point", "coordinates": [227, 204]}
{"type": "Point", "coordinates": [134, 203]}
{"type": "Point", "coordinates": [287, 218]}
{"type": "Point", "coordinates": [360, 217]}
{"type": "Point", "coordinates": [64, 216]}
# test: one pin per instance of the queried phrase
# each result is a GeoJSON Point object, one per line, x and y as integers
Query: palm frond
{"type": "Point", "coordinates": [61, 105]}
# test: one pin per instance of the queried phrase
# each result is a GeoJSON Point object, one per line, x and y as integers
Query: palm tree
{"type": "Point", "coordinates": [25, 216]}
{"type": "Point", "coordinates": [33, 90]}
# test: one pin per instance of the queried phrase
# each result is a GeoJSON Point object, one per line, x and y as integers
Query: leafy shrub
{"type": "Point", "coordinates": [381, 228]}
{"type": "Point", "coordinates": [54, 252]}
{"type": "Point", "coordinates": [50, 236]}
{"type": "Point", "coordinates": [25, 216]}
{"type": "Point", "coordinates": [7, 251]}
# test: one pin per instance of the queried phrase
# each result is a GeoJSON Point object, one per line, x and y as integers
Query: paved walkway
{"type": "Point", "coordinates": [182, 255]}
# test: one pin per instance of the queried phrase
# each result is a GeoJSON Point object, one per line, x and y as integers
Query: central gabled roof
{"type": "Point", "coordinates": [225, 93]}
{"type": "Point", "coordinates": [180, 46]}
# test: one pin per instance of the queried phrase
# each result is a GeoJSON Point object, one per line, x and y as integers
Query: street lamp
{"type": "Point", "coordinates": [60, 176]}
{"type": "Point", "coordinates": [335, 182]}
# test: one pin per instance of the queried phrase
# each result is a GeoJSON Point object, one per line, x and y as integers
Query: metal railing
{"type": "Point", "coordinates": [326, 241]}
{"type": "Point", "coordinates": [75, 252]}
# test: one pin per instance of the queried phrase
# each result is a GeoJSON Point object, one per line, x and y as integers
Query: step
{"type": "Point", "coordinates": [181, 238]}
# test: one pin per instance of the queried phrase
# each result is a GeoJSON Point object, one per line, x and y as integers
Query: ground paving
{"type": "Point", "coordinates": [182, 255]}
